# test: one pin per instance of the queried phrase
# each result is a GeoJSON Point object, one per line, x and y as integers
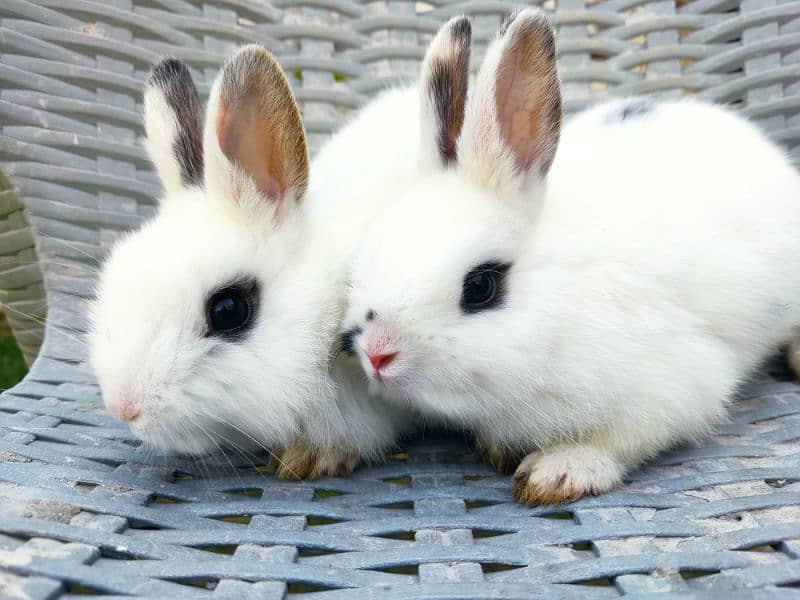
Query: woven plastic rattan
{"type": "Point", "coordinates": [84, 510]}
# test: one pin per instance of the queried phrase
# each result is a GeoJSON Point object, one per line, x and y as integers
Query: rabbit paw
{"type": "Point", "coordinates": [305, 461]}
{"type": "Point", "coordinates": [501, 458]}
{"type": "Point", "coordinates": [565, 474]}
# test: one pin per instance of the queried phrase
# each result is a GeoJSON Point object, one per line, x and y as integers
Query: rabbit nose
{"type": "Point", "coordinates": [127, 409]}
{"type": "Point", "coordinates": [130, 411]}
{"type": "Point", "coordinates": [381, 361]}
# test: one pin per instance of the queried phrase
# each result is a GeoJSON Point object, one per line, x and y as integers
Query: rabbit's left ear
{"type": "Point", "coordinates": [513, 119]}
{"type": "Point", "coordinates": [173, 122]}
{"type": "Point", "coordinates": [443, 86]}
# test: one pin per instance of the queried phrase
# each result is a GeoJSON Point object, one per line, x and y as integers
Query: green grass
{"type": "Point", "coordinates": [12, 365]}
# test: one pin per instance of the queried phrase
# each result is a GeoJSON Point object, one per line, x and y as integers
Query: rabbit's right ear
{"type": "Point", "coordinates": [254, 141]}
{"type": "Point", "coordinates": [443, 86]}
{"type": "Point", "coordinates": [173, 123]}
{"type": "Point", "coordinates": [513, 119]}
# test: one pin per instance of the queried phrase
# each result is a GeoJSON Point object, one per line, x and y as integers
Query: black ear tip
{"type": "Point", "coordinates": [507, 21]}
{"type": "Point", "coordinates": [168, 71]}
{"type": "Point", "coordinates": [461, 29]}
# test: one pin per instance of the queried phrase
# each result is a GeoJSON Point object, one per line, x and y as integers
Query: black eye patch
{"type": "Point", "coordinates": [231, 309]}
{"type": "Point", "coordinates": [484, 287]}
{"type": "Point", "coordinates": [348, 339]}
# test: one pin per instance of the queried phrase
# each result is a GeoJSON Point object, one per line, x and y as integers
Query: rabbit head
{"type": "Point", "coordinates": [430, 311]}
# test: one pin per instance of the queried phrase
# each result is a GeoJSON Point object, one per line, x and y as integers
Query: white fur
{"type": "Point", "coordinates": [193, 392]}
{"type": "Point", "coordinates": [161, 128]}
{"type": "Point", "coordinates": [652, 271]}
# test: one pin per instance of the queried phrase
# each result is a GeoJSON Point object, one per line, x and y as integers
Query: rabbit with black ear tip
{"type": "Point", "coordinates": [587, 308]}
{"type": "Point", "coordinates": [212, 323]}
{"type": "Point", "coordinates": [217, 322]}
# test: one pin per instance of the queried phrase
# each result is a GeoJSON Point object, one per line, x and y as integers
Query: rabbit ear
{"type": "Point", "coordinates": [443, 85]}
{"type": "Point", "coordinates": [174, 124]}
{"type": "Point", "coordinates": [513, 120]}
{"type": "Point", "coordinates": [255, 146]}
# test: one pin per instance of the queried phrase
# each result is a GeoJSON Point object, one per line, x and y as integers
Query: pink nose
{"type": "Point", "coordinates": [127, 410]}
{"type": "Point", "coordinates": [381, 361]}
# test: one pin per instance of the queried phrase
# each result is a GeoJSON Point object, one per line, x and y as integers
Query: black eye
{"type": "Point", "coordinates": [230, 310]}
{"type": "Point", "coordinates": [479, 289]}
{"type": "Point", "coordinates": [484, 287]}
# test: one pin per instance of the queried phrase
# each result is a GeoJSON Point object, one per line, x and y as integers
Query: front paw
{"type": "Point", "coordinates": [306, 461]}
{"type": "Point", "coordinates": [565, 474]}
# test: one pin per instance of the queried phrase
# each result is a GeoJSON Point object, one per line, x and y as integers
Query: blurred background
{"type": "Point", "coordinates": [12, 365]}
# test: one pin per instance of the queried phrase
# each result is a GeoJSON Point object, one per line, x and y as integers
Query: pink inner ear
{"type": "Point", "coordinates": [516, 112]}
{"type": "Point", "coordinates": [528, 102]}
{"type": "Point", "coordinates": [246, 139]}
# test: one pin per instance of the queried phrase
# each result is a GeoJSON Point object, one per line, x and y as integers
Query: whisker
{"type": "Point", "coordinates": [258, 443]}
{"type": "Point", "coordinates": [263, 447]}
{"type": "Point", "coordinates": [13, 262]}
{"type": "Point", "coordinates": [218, 446]}
{"type": "Point", "coordinates": [41, 321]}
{"type": "Point", "coordinates": [70, 245]}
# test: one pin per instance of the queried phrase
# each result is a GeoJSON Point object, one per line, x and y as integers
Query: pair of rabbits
{"type": "Point", "coordinates": [579, 299]}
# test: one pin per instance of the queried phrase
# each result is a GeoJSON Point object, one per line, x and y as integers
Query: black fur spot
{"type": "Point", "coordinates": [461, 31]}
{"type": "Point", "coordinates": [507, 21]}
{"type": "Point", "coordinates": [634, 109]}
{"type": "Point", "coordinates": [348, 339]}
{"type": "Point", "coordinates": [370, 315]}
{"type": "Point", "coordinates": [172, 77]}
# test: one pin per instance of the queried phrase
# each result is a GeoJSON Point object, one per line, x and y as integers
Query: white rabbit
{"type": "Point", "coordinates": [218, 321]}
{"type": "Point", "coordinates": [588, 314]}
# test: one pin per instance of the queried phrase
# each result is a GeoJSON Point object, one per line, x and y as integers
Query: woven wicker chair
{"type": "Point", "coordinates": [85, 510]}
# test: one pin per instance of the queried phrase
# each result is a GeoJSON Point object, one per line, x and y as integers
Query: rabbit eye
{"type": "Point", "coordinates": [230, 309]}
{"type": "Point", "coordinates": [484, 287]}
{"type": "Point", "coordinates": [479, 289]}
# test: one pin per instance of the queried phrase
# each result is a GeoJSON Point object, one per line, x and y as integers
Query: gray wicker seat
{"type": "Point", "coordinates": [84, 509]}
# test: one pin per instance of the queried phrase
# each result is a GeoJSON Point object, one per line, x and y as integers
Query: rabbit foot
{"type": "Point", "coordinates": [564, 474]}
{"type": "Point", "coordinates": [501, 458]}
{"type": "Point", "coordinates": [305, 461]}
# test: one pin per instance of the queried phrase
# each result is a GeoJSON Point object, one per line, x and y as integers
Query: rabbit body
{"type": "Point", "coordinates": [593, 317]}
{"type": "Point", "coordinates": [662, 268]}
{"type": "Point", "coordinates": [216, 323]}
